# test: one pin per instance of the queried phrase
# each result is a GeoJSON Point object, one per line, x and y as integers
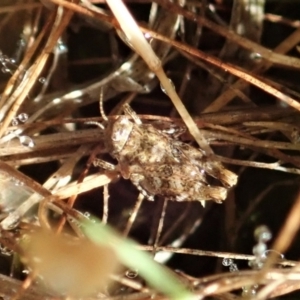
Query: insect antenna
{"type": "Point", "coordinates": [95, 123]}
{"type": "Point", "coordinates": [102, 113]}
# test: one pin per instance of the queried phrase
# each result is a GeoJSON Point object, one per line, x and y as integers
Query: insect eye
{"type": "Point", "coordinates": [120, 134]}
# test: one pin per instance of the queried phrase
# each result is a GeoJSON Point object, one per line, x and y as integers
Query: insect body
{"type": "Point", "coordinates": [158, 164]}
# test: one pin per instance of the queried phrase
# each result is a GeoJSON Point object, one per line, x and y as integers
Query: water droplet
{"type": "Point", "coordinates": [262, 234]}
{"type": "Point", "coordinates": [14, 122]}
{"type": "Point", "coordinates": [147, 36]}
{"type": "Point", "coordinates": [23, 117]}
{"type": "Point", "coordinates": [131, 274]}
{"type": "Point", "coordinates": [259, 249]}
{"type": "Point", "coordinates": [256, 56]}
{"type": "Point", "coordinates": [248, 291]}
{"type": "Point", "coordinates": [233, 268]}
{"type": "Point", "coordinates": [163, 89]}
{"type": "Point", "coordinates": [227, 262]}
{"type": "Point", "coordinates": [256, 264]}
{"type": "Point", "coordinates": [4, 58]}
{"type": "Point", "coordinates": [268, 252]}
{"type": "Point", "coordinates": [62, 47]}
{"type": "Point", "coordinates": [21, 43]}
{"type": "Point", "coordinates": [87, 214]}
{"type": "Point", "coordinates": [5, 251]}
{"type": "Point", "coordinates": [26, 141]}
{"type": "Point", "coordinates": [5, 70]}
{"type": "Point", "coordinates": [42, 80]}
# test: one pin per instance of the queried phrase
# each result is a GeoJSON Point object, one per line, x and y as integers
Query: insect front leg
{"type": "Point", "coordinates": [174, 131]}
{"type": "Point", "coordinates": [104, 165]}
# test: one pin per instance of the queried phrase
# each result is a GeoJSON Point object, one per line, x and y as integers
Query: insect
{"type": "Point", "coordinates": [159, 164]}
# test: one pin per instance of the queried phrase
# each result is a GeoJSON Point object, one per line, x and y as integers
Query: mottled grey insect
{"type": "Point", "coordinates": [159, 164]}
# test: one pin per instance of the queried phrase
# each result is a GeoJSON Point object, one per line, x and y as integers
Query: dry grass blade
{"type": "Point", "coordinates": [265, 53]}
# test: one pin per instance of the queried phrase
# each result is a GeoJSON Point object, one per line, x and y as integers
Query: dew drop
{"type": "Point", "coordinates": [71, 220]}
{"type": "Point", "coordinates": [163, 89]}
{"type": "Point", "coordinates": [233, 268]}
{"type": "Point", "coordinates": [5, 251]}
{"type": "Point", "coordinates": [248, 291]}
{"type": "Point", "coordinates": [4, 58]}
{"type": "Point", "coordinates": [14, 122]}
{"type": "Point", "coordinates": [256, 56]}
{"type": "Point", "coordinates": [42, 80]}
{"type": "Point", "coordinates": [5, 70]}
{"type": "Point", "coordinates": [62, 47]}
{"type": "Point", "coordinates": [147, 36]}
{"type": "Point", "coordinates": [262, 234]}
{"type": "Point", "coordinates": [268, 252]}
{"type": "Point", "coordinates": [131, 274]}
{"type": "Point", "coordinates": [259, 249]}
{"type": "Point", "coordinates": [26, 141]}
{"type": "Point", "coordinates": [23, 117]}
{"type": "Point", "coordinates": [21, 42]}
{"type": "Point", "coordinates": [245, 288]}
{"type": "Point", "coordinates": [87, 214]}
{"type": "Point", "coordinates": [256, 264]}
{"type": "Point", "coordinates": [227, 262]}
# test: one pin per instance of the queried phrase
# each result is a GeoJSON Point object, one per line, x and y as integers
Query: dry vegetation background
{"type": "Point", "coordinates": [235, 65]}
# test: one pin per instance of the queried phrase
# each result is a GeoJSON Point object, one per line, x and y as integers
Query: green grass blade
{"type": "Point", "coordinates": [156, 275]}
